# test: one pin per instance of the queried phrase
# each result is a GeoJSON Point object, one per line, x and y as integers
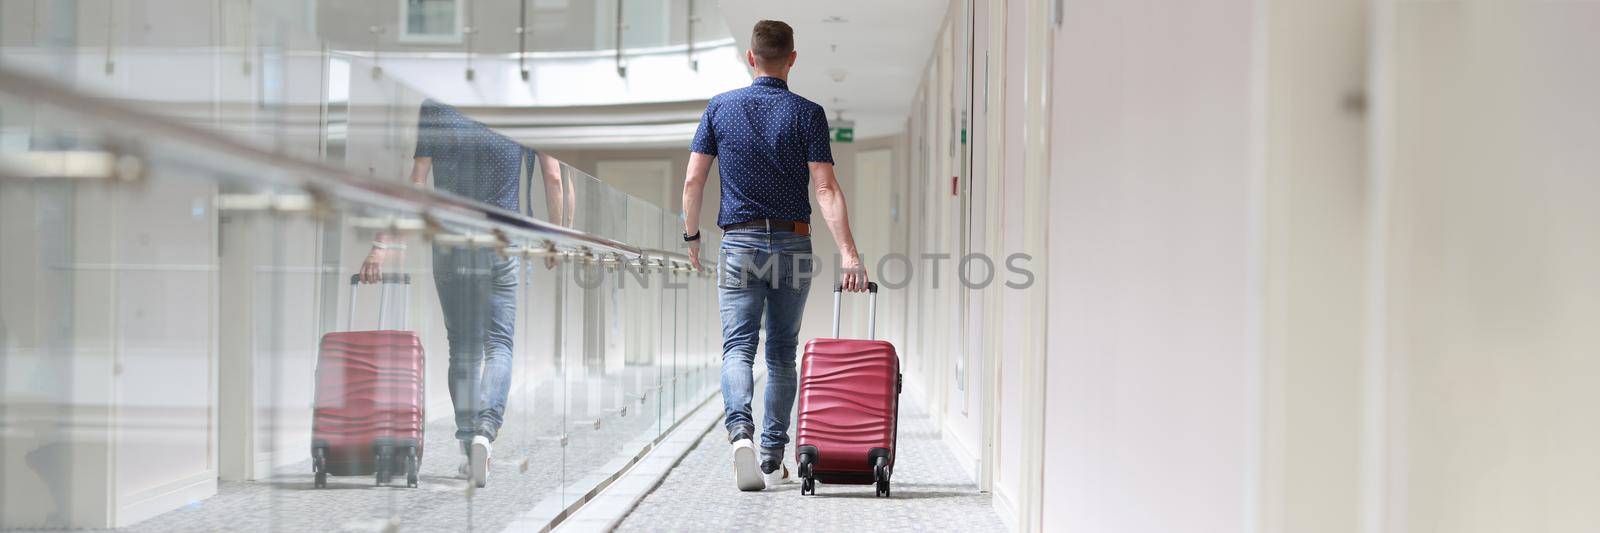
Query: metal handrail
{"type": "Point", "coordinates": [314, 177]}
{"type": "Point", "coordinates": [607, 53]}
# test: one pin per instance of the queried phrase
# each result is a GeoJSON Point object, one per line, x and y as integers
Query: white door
{"type": "Point", "coordinates": [870, 225]}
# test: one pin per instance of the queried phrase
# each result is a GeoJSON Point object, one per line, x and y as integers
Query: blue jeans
{"type": "Point", "coordinates": [760, 274]}
{"type": "Point", "coordinates": [478, 294]}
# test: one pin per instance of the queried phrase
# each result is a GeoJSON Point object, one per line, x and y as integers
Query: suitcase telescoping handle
{"type": "Point", "coordinates": [872, 309]}
{"type": "Point", "coordinates": [385, 279]}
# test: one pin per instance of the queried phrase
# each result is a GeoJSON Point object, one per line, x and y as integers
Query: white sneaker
{"type": "Point", "coordinates": [478, 459]}
{"type": "Point", "coordinates": [746, 473]}
{"type": "Point", "coordinates": [778, 476]}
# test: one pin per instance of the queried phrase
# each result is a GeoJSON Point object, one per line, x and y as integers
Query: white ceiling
{"type": "Point", "coordinates": [882, 48]}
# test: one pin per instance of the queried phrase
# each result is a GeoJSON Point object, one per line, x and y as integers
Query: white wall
{"type": "Point", "coordinates": [964, 387]}
{"type": "Point", "coordinates": [1151, 419]}
{"type": "Point", "coordinates": [1211, 296]}
{"type": "Point", "coordinates": [1282, 296]}
{"type": "Point", "coordinates": [1207, 267]}
{"type": "Point", "coordinates": [1009, 476]}
{"type": "Point", "coordinates": [1489, 164]}
{"type": "Point", "coordinates": [1313, 265]}
{"type": "Point", "coordinates": [962, 347]}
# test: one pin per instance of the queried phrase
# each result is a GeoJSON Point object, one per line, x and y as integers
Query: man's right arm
{"type": "Point", "coordinates": [554, 189]}
{"type": "Point", "coordinates": [702, 150]}
{"type": "Point", "coordinates": [420, 167]}
{"type": "Point", "coordinates": [383, 244]}
{"type": "Point", "coordinates": [819, 159]}
{"type": "Point", "coordinates": [694, 186]}
{"type": "Point", "coordinates": [831, 199]}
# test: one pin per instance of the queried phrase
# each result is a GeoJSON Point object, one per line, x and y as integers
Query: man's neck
{"type": "Point", "coordinates": [780, 75]}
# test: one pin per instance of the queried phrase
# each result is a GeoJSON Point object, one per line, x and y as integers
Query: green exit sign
{"type": "Point", "coordinates": [842, 130]}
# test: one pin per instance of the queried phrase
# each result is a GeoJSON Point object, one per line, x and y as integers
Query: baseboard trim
{"type": "Point", "coordinates": [1004, 507]}
{"type": "Point", "coordinates": [554, 511]}
{"type": "Point", "coordinates": [268, 463]}
{"type": "Point", "coordinates": [156, 500]}
{"type": "Point", "coordinates": [965, 457]}
{"type": "Point", "coordinates": [606, 510]}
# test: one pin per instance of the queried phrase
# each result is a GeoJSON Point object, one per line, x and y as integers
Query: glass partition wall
{"type": "Point", "coordinates": [177, 271]}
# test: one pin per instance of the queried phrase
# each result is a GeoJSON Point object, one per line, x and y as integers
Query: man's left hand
{"type": "Point", "coordinates": [855, 275]}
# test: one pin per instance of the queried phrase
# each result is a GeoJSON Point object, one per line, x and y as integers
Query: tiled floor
{"type": "Point", "coordinates": [931, 493]}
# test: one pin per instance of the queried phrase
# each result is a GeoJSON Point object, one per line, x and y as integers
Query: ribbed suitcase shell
{"type": "Point", "coordinates": [369, 387]}
{"type": "Point", "coordinates": [849, 404]}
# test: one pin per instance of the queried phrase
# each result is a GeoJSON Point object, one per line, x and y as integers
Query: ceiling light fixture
{"type": "Point", "coordinates": [835, 19]}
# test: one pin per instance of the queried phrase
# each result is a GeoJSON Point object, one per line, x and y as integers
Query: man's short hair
{"type": "Point", "coordinates": [772, 41]}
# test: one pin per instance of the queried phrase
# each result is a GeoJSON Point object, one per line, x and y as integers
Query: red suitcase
{"type": "Point", "coordinates": [849, 407]}
{"type": "Point", "coordinates": [368, 416]}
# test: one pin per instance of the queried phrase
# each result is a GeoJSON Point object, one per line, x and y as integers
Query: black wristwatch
{"type": "Point", "coordinates": [691, 238]}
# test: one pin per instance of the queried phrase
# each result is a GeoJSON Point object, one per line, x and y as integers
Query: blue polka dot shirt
{"type": "Point", "coordinates": [763, 136]}
{"type": "Point", "coordinates": [469, 159]}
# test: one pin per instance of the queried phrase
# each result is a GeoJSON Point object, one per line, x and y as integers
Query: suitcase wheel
{"type": "Point", "coordinates": [880, 475]}
{"type": "Point", "coordinates": [385, 462]}
{"type": "Point", "coordinates": [807, 460]}
{"type": "Point", "coordinates": [319, 466]}
{"type": "Point", "coordinates": [411, 468]}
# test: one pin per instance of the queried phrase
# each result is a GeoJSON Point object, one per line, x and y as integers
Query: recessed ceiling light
{"type": "Point", "coordinates": [835, 19]}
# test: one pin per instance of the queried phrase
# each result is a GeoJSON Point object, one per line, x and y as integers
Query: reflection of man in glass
{"type": "Point", "coordinates": [559, 197]}
{"type": "Point", "coordinates": [477, 287]}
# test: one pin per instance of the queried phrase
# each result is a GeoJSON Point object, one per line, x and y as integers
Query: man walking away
{"type": "Point", "coordinates": [771, 143]}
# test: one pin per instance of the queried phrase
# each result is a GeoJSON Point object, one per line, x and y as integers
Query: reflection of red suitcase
{"type": "Point", "coordinates": [849, 407]}
{"type": "Point", "coordinates": [368, 416]}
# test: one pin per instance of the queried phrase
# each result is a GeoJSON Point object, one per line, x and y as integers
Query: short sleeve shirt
{"type": "Point", "coordinates": [763, 137]}
{"type": "Point", "coordinates": [469, 159]}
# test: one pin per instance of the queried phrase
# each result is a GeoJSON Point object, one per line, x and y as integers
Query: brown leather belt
{"type": "Point", "coordinates": [771, 226]}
